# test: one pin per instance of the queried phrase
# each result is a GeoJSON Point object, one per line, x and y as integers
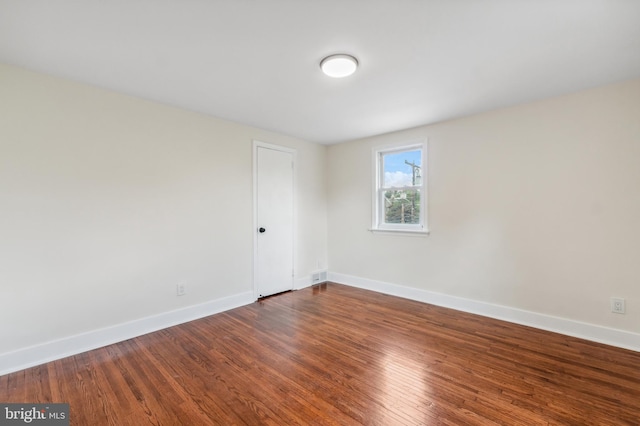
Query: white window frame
{"type": "Point", "coordinates": [378, 224]}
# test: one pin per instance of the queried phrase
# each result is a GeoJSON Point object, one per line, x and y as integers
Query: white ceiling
{"type": "Point", "coordinates": [257, 61]}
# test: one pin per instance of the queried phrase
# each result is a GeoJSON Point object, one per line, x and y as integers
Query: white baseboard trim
{"type": "Point", "coordinates": [307, 281]}
{"type": "Point", "coordinates": [72, 345]}
{"type": "Point", "coordinates": [596, 333]}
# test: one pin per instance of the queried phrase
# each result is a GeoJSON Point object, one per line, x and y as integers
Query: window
{"type": "Point", "coordinates": [400, 189]}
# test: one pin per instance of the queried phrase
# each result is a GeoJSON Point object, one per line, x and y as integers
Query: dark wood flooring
{"type": "Point", "coordinates": [337, 355]}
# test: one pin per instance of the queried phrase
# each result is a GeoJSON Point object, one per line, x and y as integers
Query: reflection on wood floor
{"type": "Point", "coordinates": [333, 354]}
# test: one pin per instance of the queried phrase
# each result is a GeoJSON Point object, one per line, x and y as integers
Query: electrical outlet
{"type": "Point", "coordinates": [617, 305]}
{"type": "Point", "coordinates": [181, 289]}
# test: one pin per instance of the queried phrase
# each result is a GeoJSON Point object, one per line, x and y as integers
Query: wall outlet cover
{"type": "Point", "coordinates": [618, 305]}
{"type": "Point", "coordinates": [181, 289]}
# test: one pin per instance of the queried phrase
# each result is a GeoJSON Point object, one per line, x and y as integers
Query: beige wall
{"type": "Point", "coordinates": [107, 202]}
{"type": "Point", "coordinates": [535, 207]}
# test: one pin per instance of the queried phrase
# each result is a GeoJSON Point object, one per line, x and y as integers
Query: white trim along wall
{"type": "Point", "coordinates": [50, 351]}
{"type": "Point", "coordinates": [596, 333]}
{"type": "Point", "coordinates": [72, 345]}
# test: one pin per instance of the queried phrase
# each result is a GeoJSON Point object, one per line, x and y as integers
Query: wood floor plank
{"type": "Point", "coordinates": [336, 355]}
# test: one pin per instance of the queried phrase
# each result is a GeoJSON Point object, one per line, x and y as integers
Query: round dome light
{"type": "Point", "coordinates": [338, 66]}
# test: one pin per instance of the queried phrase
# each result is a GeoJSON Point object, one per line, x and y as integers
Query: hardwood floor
{"type": "Point", "coordinates": [335, 355]}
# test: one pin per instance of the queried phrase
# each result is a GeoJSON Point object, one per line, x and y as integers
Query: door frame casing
{"type": "Point", "coordinates": [259, 144]}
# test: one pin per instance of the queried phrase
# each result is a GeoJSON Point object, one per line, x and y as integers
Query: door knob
{"type": "Point", "coordinates": [261, 230]}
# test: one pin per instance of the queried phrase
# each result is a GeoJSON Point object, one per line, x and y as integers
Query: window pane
{"type": "Point", "coordinates": [401, 206]}
{"type": "Point", "coordinates": [402, 169]}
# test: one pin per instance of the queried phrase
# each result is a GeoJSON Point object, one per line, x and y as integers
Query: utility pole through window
{"type": "Point", "coordinates": [415, 171]}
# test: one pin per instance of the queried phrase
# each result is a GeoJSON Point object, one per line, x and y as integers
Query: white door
{"type": "Point", "coordinates": [273, 247]}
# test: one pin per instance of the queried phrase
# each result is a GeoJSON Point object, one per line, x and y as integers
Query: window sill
{"type": "Point", "coordinates": [403, 232]}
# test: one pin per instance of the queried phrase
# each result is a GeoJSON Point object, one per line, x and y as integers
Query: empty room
{"type": "Point", "coordinates": [240, 212]}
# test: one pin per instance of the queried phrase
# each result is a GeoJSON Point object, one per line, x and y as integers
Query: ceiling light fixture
{"type": "Point", "coordinates": [338, 66]}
